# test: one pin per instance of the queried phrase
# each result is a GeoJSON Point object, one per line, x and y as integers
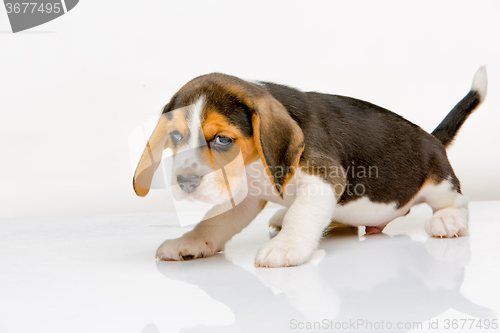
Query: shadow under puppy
{"type": "Point", "coordinates": [325, 157]}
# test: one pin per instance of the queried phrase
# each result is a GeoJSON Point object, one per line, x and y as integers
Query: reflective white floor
{"type": "Point", "coordinates": [98, 274]}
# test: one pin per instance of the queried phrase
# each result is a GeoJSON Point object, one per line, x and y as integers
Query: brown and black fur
{"type": "Point", "coordinates": [336, 131]}
{"type": "Point", "coordinates": [356, 133]}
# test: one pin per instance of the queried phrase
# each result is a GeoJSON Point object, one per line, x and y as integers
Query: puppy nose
{"type": "Point", "coordinates": [188, 183]}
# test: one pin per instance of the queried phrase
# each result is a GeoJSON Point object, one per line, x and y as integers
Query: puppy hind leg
{"type": "Point", "coordinates": [370, 230]}
{"type": "Point", "coordinates": [448, 222]}
{"type": "Point", "coordinates": [451, 213]}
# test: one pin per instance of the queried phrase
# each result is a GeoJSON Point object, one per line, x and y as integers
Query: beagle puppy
{"type": "Point", "coordinates": [325, 158]}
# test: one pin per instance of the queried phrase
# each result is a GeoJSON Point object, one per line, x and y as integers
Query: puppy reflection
{"type": "Point", "coordinates": [385, 278]}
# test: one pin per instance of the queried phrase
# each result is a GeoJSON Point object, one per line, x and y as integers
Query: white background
{"type": "Point", "coordinates": [73, 89]}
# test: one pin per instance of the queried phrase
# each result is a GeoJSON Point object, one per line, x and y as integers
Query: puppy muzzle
{"type": "Point", "coordinates": [189, 183]}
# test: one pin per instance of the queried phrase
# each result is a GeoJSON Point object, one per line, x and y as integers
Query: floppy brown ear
{"type": "Point", "coordinates": [279, 140]}
{"type": "Point", "coordinates": [151, 158]}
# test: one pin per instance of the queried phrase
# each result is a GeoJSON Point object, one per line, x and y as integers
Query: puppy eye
{"type": "Point", "coordinates": [176, 136]}
{"type": "Point", "coordinates": [222, 140]}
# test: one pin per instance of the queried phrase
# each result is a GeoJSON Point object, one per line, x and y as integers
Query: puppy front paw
{"type": "Point", "coordinates": [281, 252]}
{"type": "Point", "coordinates": [276, 220]}
{"type": "Point", "coordinates": [185, 248]}
{"type": "Point", "coordinates": [447, 222]}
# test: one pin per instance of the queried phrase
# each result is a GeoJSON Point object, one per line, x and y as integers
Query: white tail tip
{"type": "Point", "coordinates": [480, 82]}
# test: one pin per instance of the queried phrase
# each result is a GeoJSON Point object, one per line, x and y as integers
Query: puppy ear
{"type": "Point", "coordinates": [151, 157]}
{"type": "Point", "coordinates": [279, 140]}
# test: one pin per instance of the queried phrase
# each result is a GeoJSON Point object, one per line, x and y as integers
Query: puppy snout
{"type": "Point", "coordinates": [188, 183]}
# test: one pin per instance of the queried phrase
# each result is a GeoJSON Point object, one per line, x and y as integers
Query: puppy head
{"type": "Point", "coordinates": [216, 125]}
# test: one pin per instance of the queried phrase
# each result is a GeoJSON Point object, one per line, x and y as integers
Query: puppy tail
{"type": "Point", "coordinates": [449, 127]}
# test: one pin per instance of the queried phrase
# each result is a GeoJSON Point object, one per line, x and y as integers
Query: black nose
{"type": "Point", "coordinates": [188, 183]}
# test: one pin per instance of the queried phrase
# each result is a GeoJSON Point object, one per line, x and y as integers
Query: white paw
{"type": "Point", "coordinates": [448, 222]}
{"type": "Point", "coordinates": [277, 220]}
{"type": "Point", "coordinates": [281, 252]}
{"type": "Point", "coordinates": [185, 248]}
